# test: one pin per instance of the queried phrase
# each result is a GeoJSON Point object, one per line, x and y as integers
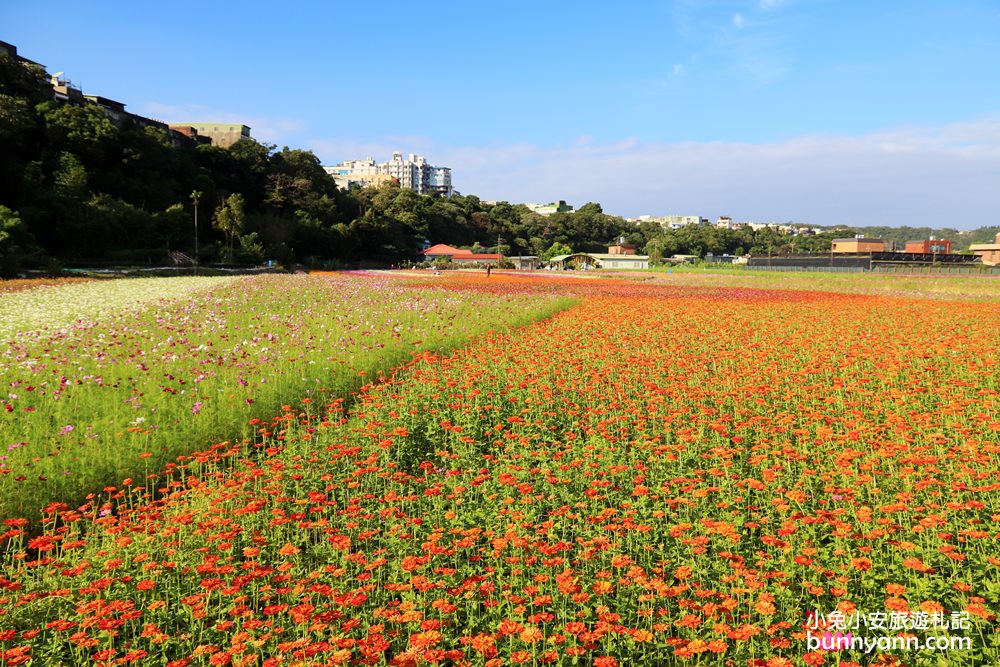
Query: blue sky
{"type": "Point", "coordinates": [817, 111]}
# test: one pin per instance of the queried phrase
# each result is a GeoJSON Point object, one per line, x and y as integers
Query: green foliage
{"type": "Point", "coordinates": [173, 227]}
{"type": "Point", "coordinates": [981, 235]}
{"type": "Point", "coordinates": [103, 221]}
{"type": "Point", "coordinates": [17, 125]}
{"type": "Point", "coordinates": [9, 223]}
{"type": "Point", "coordinates": [656, 249]}
{"type": "Point", "coordinates": [230, 219]}
{"type": "Point", "coordinates": [251, 249]}
{"type": "Point", "coordinates": [556, 249]}
{"type": "Point", "coordinates": [15, 241]}
{"type": "Point", "coordinates": [70, 177]}
{"type": "Point", "coordinates": [83, 130]}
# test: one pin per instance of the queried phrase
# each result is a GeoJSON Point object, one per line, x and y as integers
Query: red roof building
{"type": "Point", "coordinates": [459, 256]}
{"type": "Point", "coordinates": [442, 250]}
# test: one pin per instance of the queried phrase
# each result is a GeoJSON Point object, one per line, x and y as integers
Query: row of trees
{"type": "Point", "coordinates": [76, 187]}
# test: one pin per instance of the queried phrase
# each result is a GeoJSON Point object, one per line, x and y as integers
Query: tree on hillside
{"type": "Point", "coordinates": [82, 129]}
{"type": "Point", "coordinates": [23, 87]}
{"type": "Point", "coordinates": [556, 249]}
{"type": "Point", "coordinates": [230, 219]}
{"type": "Point", "coordinates": [144, 169]}
{"type": "Point", "coordinates": [173, 227]}
{"type": "Point", "coordinates": [980, 235]}
{"type": "Point", "coordinates": [15, 242]}
{"type": "Point", "coordinates": [295, 180]}
{"type": "Point", "coordinates": [657, 248]}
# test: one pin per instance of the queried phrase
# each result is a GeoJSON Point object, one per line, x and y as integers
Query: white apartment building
{"type": "Point", "coordinates": [678, 221]}
{"type": "Point", "coordinates": [670, 221]}
{"type": "Point", "coordinates": [413, 173]}
{"type": "Point", "coordinates": [545, 210]}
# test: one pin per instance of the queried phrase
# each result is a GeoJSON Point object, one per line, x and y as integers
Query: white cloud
{"type": "Point", "coordinates": [270, 129]}
{"type": "Point", "coordinates": [939, 176]}
{"type": "Point", "coordinates": [738, 21]}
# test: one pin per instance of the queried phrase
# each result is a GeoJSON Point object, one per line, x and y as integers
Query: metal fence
{"type": "Point", "coordinates": [800, 269]}
{"type": "Point", "coordinates": [878, 268]}
{"type": "Point", "coordinates": [976, 270]}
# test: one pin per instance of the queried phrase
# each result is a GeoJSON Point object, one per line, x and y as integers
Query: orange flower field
{"type": "Point", "coordinates": [657, 475]}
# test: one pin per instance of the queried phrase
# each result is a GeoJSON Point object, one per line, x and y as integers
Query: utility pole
{"type": "Point", "coordinates": [195, 198]}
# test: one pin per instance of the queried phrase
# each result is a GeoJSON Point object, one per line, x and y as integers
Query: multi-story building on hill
{"type": "Point", "coordinates": [222, 135]}
{"type": "Point", "coordinates": [678, 221]}
{"type": "Point", "coordinates": [413, 173]}
{"type": "Point", "coordinates": [546, 210]}
{"type": "Point", "coordinates": [670, 221]}
{"type": "Point", "coordinates": [65, 92]}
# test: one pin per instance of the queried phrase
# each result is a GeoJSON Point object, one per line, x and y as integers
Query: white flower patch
{"type": "Point", "coordinates": [54, 308]}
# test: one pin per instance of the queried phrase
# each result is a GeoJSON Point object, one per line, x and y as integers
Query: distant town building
{"type": "Point", "coordinates": [930, 246]}
{"type": "Point", "coordinates": [413, 173]}
{"type": "Point", "coordinates": [670, 221]}
{"type": "Point", "coordinates": [416, 174]}
{"type": "Point", "coordinates": [678, 221]}
{"type": "Point", "coordinates": [989, 253]}
{"type": "Point", "coordinates": [675, 222]}
{"type": "Point", "coordinates": [222, 135]}
{"type": "Point", "coordinates": [546, 210]}
{"type": "Point", "coordinates": [364, 173]}
{"type": "Point", "coordinates": [860, 244]}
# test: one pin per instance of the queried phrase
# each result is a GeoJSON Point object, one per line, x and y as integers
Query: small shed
{"type": "Point", "coordinates": [524, 262]}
